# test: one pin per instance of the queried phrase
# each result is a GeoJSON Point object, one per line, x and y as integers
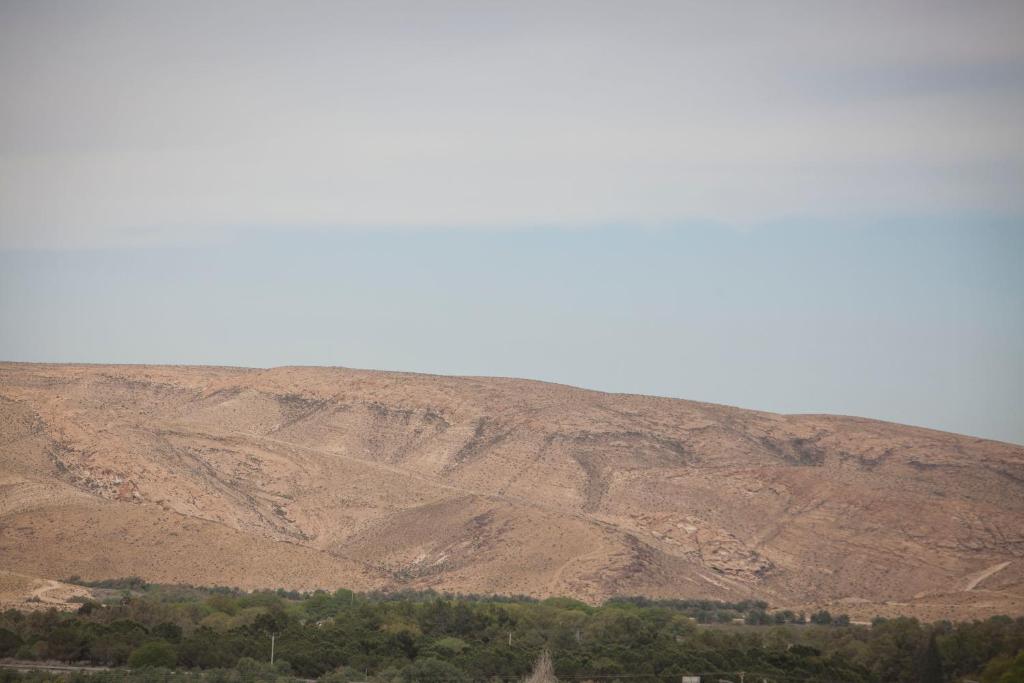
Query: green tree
{"type": "Point", "coordinates": [155, 653]}
{"type": "Point", "coordinates": [929, 664]}
{"type": "Point", "coordinates": [1015, 673]}
{"type": "Point", "coordinates": [110, 649]}
{"type": "Point", "coordinates": [67, 643]}
{"type": "Point", "coordinates": [9, 642]}
{"type": "Point", "coordinates": [431, 670]}
{"type": "Point", "coordinates": [167, 631]}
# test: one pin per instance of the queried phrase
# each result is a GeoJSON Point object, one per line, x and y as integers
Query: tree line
{"type": "Point", "coordinates": [344, 637]}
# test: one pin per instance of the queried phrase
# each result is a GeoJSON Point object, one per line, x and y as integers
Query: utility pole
{"type": "Point", "coordinates": [273, 636]}
{"type": "Point", "coordinates": [510, 638]}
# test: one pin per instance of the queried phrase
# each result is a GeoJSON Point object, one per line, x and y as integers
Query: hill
{"type": "Point", "coordinates": [328, 477]}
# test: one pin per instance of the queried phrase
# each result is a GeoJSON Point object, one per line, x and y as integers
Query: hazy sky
{"type": "Point", "coordinates": [792, 206]}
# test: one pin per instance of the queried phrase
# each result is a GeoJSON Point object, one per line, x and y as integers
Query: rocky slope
{"type": "Point", "coordinates": [328, 477]}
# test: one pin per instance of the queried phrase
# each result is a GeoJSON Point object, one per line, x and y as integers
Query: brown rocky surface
{"type": "Point", "coordinates": [29, 594]}
{"type": "Point", "coordinates": [328, 477]}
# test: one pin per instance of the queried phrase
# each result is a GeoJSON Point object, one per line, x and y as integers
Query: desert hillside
{"type": "Point", "coordinates": [329, 477]}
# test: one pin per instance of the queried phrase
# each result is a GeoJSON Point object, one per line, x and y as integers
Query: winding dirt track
{"type": "Point", "coordinates": [49, 586]}
{"type": "Point", "coordinates": [994, 569]}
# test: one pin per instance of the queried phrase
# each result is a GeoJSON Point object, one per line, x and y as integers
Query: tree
{"type": "Point", "coordinates": [66, 643]}
{"type": "Point", "coordinates": [892, 649]}
{"type": "Point", "coordinates": [111, 649]}
{"type": "Point", "coordinates": [1015, 674]}
{"type": "Point", "coordinates": [344, 674]}
{"type": "Point", "coordinates": [929, 663]}
{"type": "Point", "coordinates": [155, 653]}
{"type": "Point", "coordinates": [758, 617]}
{"type": "Point", "coordinates": [88, 607]}
{"type": "Point", "coordinates": [168, 631]}
{"type": "Point", "coordinates": [543, 670]}
{"type": "Point", "coordinates": [9, 642]}
{"type": "Point", "coordinates": [425, 669]}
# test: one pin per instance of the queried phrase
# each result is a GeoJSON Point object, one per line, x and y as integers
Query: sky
{"type": "Point", "coordinates": [791, 206]}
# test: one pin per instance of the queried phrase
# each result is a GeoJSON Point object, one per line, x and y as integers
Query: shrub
{"type": "Point", "coordinates": [823, 617]}
{"type": "Point", "coordinates": [344, 674]}
{"type": "Point", "coordinates": [9, 642]}
{"type": "Point", "coordinates": [450, 646]}
{"type": "Point", "coordinates": [155, 653]}
{"type": "Point", "coordinates": [431, 670]}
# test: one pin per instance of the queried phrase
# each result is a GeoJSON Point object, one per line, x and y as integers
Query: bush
{"type": "Point", "coordinates": [431, 670]}
{"type": "Point", "coordinates": [88, 607]}
{"type": "Point", "coordinates": [344, 674]}
{"type": "Point", "coordinates": [9, 642]}
{"type": "Point", "coordinates": [823, 617]}
{"type": "Point", "coordinates": [450, 646]}
{"type": "Point", "coordinates": [155, 653]}
{"type": "Point", "coordinates": [167, 631]}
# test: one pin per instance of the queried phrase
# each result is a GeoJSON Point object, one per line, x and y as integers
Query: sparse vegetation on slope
{"type": "Point", "coordinates": [321, 477]}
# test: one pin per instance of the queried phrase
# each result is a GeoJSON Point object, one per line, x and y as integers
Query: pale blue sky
{"type": "Point", "coordinates": [915, 321]}
{"type": "Point", "coordinates": [793, 206]}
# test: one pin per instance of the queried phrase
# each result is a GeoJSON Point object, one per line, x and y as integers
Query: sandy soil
{"type": "Point", "coordinates": [28, 593]}
{"type": "Point", "coordinates": [329, 477]}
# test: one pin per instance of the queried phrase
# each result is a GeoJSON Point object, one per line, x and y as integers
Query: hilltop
{"type": "Point", "coordinates": [305, 478]}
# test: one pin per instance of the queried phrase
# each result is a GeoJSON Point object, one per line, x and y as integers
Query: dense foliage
{"type": "Point", "coordinates": [426, 637]}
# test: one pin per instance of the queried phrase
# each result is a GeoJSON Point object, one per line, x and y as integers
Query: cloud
{"type": "Point", "coordinates": [143, 123]}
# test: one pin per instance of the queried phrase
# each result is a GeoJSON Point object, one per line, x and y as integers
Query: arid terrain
{"type": "Point", "coordinates": [28, 593]}
{"type": "Point", "coordinates": [327, 477]}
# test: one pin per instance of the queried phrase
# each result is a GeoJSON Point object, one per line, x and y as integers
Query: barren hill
{"type": "Point", "coordinates": [329, 477]}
